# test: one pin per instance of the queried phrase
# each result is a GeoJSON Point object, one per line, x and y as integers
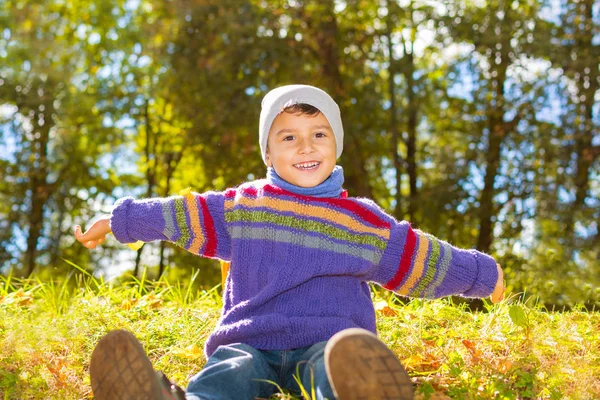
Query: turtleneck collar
{"type": "Point", "coordinates": [330, 187]}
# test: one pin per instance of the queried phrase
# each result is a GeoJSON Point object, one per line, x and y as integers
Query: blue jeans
{"type": "Point", "coordinates": [239, 371]}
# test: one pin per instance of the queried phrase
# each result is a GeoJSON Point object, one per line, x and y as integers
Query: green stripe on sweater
{"type": "Point", "coordinates": [430, 273]}
{"type": "Point", "coordinates": [442, 270]}
{"type": "Point", "coordinates": [181, 223]}
{"type": "Point", "coordinates": [304, 225]}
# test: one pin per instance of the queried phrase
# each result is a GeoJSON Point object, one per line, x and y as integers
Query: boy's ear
{"type": "Point", "coordinates": [268, 158]}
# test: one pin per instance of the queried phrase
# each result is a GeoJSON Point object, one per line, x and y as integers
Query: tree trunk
{"type": "Point", "coordinates": [597, 240]}
{"type": "Point", "coordinates": [161, 261]}
{"type": "Point", "coordinates": [486, 202]}
{"type": "Point", "coordinates": [38, 183]}
{"type": "Point", "coordinates": [138, 258]}
{"type": "Point", "coordinates": [395, 134]}
{"type": "Point", "coordinates": [411, 140]}
{"type": "Point", "coordinates": [585, 158]}
{"type": "Point", "coordinates": [172, 159]}
{"type": "Point", "coordinates": [55, 249]}
{"type": "Point", "coordinates": [497, 131]}
{"type": "Point", "coordinates": [586, 67]}
{"type": "Point", "coordinates": [35, 228]}
{"type": "Point", "coordinates": [325, 32]}
{"type": "Point", "coordinates": [149, 150]}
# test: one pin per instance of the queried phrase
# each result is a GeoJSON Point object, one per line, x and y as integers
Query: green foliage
{"type": "Point", "coordinates": [518, 316]}
{"type": "Point", "coordinates": [475, 120]}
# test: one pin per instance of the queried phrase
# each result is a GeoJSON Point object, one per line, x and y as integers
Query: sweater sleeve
{"type": "Point", "coordinates": [417, 264]}
{"type": "Point", "coordinates": [193, 221]}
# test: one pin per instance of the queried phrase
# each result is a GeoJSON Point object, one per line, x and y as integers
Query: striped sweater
{"type": "Point", "coordinates": [300, 265]}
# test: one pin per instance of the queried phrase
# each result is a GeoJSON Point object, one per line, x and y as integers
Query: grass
{"type": "Point", "coordinates": [514, 350]}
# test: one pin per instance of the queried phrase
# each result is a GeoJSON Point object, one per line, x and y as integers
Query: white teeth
{"type": "Point", "coordinates": [307, 165]}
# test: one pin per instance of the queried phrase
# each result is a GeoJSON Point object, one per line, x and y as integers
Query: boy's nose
{"type": "Point", "coordinates": [306, 147]}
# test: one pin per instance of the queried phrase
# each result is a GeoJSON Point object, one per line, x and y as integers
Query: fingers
{"type": "Point", "coordinates": [495, 299]}
{"type": "Point", "coordinates": [498, 294]}
{"type": "Point", "coordinates": [78, 234]}
{"type": "Point", "coordinates": [83, 238]}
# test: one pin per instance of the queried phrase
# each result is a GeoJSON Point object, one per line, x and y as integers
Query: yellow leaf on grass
{"type": "Point", "coordinates": [19, 298]}
{"type": "Point", "coordinates": [191, 352]}
{"type": "Point", "coordinates": [151, 301]}
{"type": "Point", "coordinates": [504, 365]}
{"type": "Point", "coordinates": [128, 304]}
{"type": "Point", "coordinates": [383, 308]}
{"type": "Point", "coordinates": [136, 246]}
{"type": "Point", "coordinates": [413, 361]}
{"type": "Point", "coordinates": [475, 352]}
{"type": "Point", "coordinates": [422, 362]}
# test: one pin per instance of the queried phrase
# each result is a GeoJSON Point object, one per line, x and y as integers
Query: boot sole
{"type": "Point", "coordinates": [120, 369]}
{"type": "Point", "coordinates": [361, 367]}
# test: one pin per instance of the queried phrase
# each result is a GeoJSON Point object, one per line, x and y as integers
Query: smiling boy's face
{"type": "Point", "coordinates": [301, 148]}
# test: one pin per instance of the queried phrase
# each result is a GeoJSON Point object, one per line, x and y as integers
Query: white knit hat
{"type": "Point", "coordinates": [284, 96]}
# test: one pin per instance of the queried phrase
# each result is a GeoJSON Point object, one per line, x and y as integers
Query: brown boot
{"type": "Point", "coordinates": [361, 367]}
{"type": "Point", "coordinates": [120, 369]}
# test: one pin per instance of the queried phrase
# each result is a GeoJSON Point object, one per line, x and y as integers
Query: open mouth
{"type": "Point", "coordinates": [307, 166]}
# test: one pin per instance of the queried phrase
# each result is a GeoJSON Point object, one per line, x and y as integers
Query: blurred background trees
{"type": "Point", "coordinates": [476, 120]}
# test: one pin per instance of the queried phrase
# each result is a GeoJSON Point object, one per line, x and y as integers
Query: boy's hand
{"type": "Point", "coordinates": [498, 294]}
{"type": "Point", "coordinates": [95, 235]}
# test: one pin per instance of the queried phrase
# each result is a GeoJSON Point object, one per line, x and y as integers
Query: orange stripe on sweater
{"type": "Point", "coordinates": [418, 266]}
{"type": "Point", "coordinates": [196, 228]}
{"type": "Point", "coordinates": [324, 213]}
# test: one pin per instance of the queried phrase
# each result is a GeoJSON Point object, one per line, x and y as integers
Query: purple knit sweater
{"type": "Point", "coordinates": [300, 264]}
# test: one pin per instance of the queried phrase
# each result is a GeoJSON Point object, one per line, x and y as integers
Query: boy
{"type": "Point", "coordinates": [302, 253]}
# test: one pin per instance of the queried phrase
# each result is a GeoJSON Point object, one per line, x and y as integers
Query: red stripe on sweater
{"type": "Point", "coordinates": [250, 191]}
{"type": "Point", "coordinates": [209, 225]}
{"type": "Point", "coordinates": [404, 266]}
{"type": "Point", "coordinates": [347, 204]}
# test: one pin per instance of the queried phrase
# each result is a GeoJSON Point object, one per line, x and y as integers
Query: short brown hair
{"type": "Point", "coordinates": [302, 108]}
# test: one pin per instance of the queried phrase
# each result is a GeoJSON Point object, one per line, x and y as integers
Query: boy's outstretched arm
{"type": "Point", "coordinates": [193, 221]}
{"type": "Point", "coordinates": [417, 264]}
{"type": "Point", "coordinates": [96, 234]}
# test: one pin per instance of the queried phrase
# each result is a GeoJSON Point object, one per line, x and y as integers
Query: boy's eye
{"type": "Point", "coordinates": [288, 138]}
{"type": "Point", "coordinates": [320, 135]}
